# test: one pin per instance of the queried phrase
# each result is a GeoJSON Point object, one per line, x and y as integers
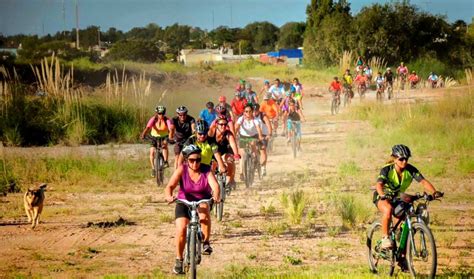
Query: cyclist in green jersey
{"type": "Point", "coordinates": [395, 178]}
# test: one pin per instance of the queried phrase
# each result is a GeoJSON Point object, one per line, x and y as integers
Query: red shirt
{"type": "Point", "coordinates": [336, 86]}
{"type": "Point", "coordinates": [238, 106]}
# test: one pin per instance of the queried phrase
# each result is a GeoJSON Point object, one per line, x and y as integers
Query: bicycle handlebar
{"type": "Point", "coordinates": [193, 203]}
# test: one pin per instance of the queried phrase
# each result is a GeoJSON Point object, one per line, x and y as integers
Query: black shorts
{"type": "Point", "coordinates": [178, 147]}
{"type": "Point", "coordinates": [182, 210]}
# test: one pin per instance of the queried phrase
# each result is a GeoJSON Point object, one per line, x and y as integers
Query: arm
{"type": "Point", "coordinates": [269, 125]}
{"type": "Point", "coordinates": [233, 143]}
{"type": "Point", "coordinates": [180, 159]}
{"type": "Point", "coordinates": [428, 186]}
{"type": "Point", "coordinates": [212, 129]}
{"type": "Point", "coordinates": [145, 131]}
{"type": "Point", "coordinates": [379, 188]}
{"type": "Point", "coordinates": [260, 134]}
{"type": "Point", "coordinates": [172, 183]}
{"type": "Point", "coordinates": [300, 113]}
{"type": "Point", "coordinates": [211, 179]}
{"type": "Point", "coordinates": [220, 162]}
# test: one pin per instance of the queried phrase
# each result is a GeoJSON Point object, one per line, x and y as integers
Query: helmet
{"type": "Point", "coordinates": [401, 150]}
{"type": "Point", "coordinates": [182, 109]}
{"type": "Point", "coordinates": [242, 81]}
{"type": "Point", "coordinates": [388, 69]}
{"type": "Point", "coordinates": [191, 149]}
{"type": "Point", "coordinates": [220, 109]}
{"type": "Point", "coordinates": [160, 109]}
{"type": "Point", "coordinates": [288, 93]}
{"type": "Point", "coordinates": [201, 127]}
{"type": "Point", "coordinates": [266, 82]}
{"type": "Point", "coordinates": [210, 105]}
{"type": "Point", "coordinates": [248, 86]}
{"type": "Point", "coordinates": [221, 117]}
{"type": "Point", "coordinates": [413, 72]}
{"type": "Point", "coordinates": [222, 99]}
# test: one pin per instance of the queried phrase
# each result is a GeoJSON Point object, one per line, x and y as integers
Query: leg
{"type": "Point", "coordinates": [230, 168]}
{"type": "Point", "coordinates": [152, 157]}
{"type": "Point", "coordinates": [386, 209]}
{"type": "Point", "coordinates": [181, 224]}
{"type": "Point", "coordinates": [205, 220]}
{"type": "Point", "coordinates": [165, 151]}
{"type": "Point", "coordinates": [29, 213]}
{"type": "Point", "coordinates": [35, 218]}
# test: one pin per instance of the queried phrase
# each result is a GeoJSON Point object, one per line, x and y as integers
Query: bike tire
{"type": "Point", "coordinates": [378, 262]}
{"type": "Point", "coordinates": [333, 106]}
{"type": "Point", "coordinates": [294, 143]}
{"type": "Point", "coordinates": [220, 206]}
{"type": "Point", "coordinates": [247, 159]}
{"type": "Point", "coordinates": [251, 170]}
{"type": "Point", "coordinates": [192, 255]}
{"type": "Point", "coordinates": [418, 260]}
{"type": "Point", "coordinates": [159, 168]}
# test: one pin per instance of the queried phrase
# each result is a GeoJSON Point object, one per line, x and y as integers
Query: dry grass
{"type": "Point", "coordinates": [345, 61]}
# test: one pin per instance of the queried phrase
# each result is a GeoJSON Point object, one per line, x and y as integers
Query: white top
{"type": "Point", "coordinates": [277, 92]}
{"type": "Point", "coordinates": [248, 128]}
{"type": "Point", "coordinates": [262, 124]}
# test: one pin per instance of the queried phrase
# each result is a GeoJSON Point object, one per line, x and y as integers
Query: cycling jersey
{"type": "Point", "coordinates": [389, 178]}
{"type": "Point", "coordinates": [183, 129]}
{"type": "Point", "coordinates": [194, 191]}
{"type": "Point", "coordinates": [277, 92]}
{"type": "Point", "coordinates": [248, 127]}
{"type": "Point", "coordinates": [208, 148]}
{"type": "Point", "coordinates": [336, 86]}
{"type": "Point", "coordinates": [361, 79]}
{"type": "Point", "coordinates": [347, 79]}
{"type": "Point", "coordinates": [251, 97]}
{"type": "Point", "coordinates": [223, 146]}
{"type": "Point", "coordinates": [263, 125]}
{"type": "Point", "coordinates": [238, 106]}
{"type": "Point", "coordinates": [270, 108]}
{"type": "Point", "coordinates": [402, 70]}
{"type": "Point", "coordinates": [388, 76]}
{"type": "Point", "coordinates": [379, 80]}
{"type": "Point", "coordinates": [368, 72]}
{"type": "Point", "coordinates": [413, 78]}
{"type": "Point", "coordinates": [159, 128]}
{"type": "Point", "coordinates": [208, 116]}
{"type": "Point", "coordinates": [294, 116]}
{"type": "Point", "coordinates": [433, 77]}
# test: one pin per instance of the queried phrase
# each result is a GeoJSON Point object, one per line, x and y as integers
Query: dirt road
{"type": "Point", "coordinates": [252, 234]}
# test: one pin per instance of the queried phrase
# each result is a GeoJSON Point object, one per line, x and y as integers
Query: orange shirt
{"type": "Point", "coordinates": [336, 86]}
{"type": "Point", "coordinates": [270, 108]}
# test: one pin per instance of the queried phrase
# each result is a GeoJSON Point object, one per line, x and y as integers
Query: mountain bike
{"type": "Point", "coordinates": [159, 160]}
{"type": "Point", "coordinates": [347, 95]}
{"type": "Point", "coordinates": [361, 88]}
{"type": "Point", "coordinates": [295, 137]}
{"type": "Point", "coordinates": [224, 191]}
{"type": "Point", "coordinates": [390, 90]}
{"type": "Point", "coordinates": [251, 163]}
{"type": "Point", "coordinates": [194, 237]}
{"type": "Point", "coordinates": [380, 92]}
{"type": "Point", "coordinates": [413, 238]}
{"type": "Point", "coordinates": [403, 79]}
{"type": "Point", "coordinates": [336, 102]}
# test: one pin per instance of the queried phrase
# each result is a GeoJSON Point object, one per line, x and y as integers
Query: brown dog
{"type": "Point", "coordinates": [33, 201]}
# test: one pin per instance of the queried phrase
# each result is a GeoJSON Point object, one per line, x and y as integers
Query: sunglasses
{"type": "Point", "coordinates": [247, 111]}
{"type": "Point", "coordinates": [402, 159]}
{"type": "Point", "coordinates": [222, 124]}
{"type": "Point", "coordinates": [194, 160]}
{"type": "Point", "coordinates": [160, 113]}
{"type": "Point", "coordinates": [181, 114]}
{"type": "Point", "coordinates": [202, 134]}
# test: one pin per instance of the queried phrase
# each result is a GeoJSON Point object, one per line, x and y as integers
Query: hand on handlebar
{"type": "Point", "coordinates": [387, 196]}
{"type": "Point", "coordinates": [437, 195]}
{"type": "Point", "coordinates": [237, 157]}
{"type": "Point", "coordinates": [216, 200]}
{"type": "Point", "coordinates": [170, 199]}
{"type": "Point", "coordinates": [171, 141]}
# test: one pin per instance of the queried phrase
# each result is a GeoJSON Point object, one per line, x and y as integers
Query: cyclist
{"type": "Point", "coordinates": [395, 178]}
{"type": "Point", "coordinates": [238, 104]}
{"type": "Point", "coordinates": [335, 88]}
{"type": "Point", "coordinates": [284, 108]}
{"type": "Point", "coordinates": [388, 77]}
{"type": "Point", "coordinates": [226, 146]}
{"type": "Point", "coordinates": [413, 79]}
{"type": "Point", "coordinates": [208, 146]}
{"type": "Point", "coordinates": [265, 89]}
{"type": "Point", "coordinates": [361, 81]}
{"type": "Point", "coordinates": [379, 81]}
{"type": "Point", "coordinates": [347, 82]}
{"type": "Point", "coordinates": [270, 109]}
{"type": "Point", "coordinates": [368, 73]}
{"type": "Point", "coordinates": [433, 79]}
{"type": "Point", "coordinates": [266, 126]}
{"type": "Point", "coordinates": [250, 95]}
{"type": "Point", "coordinates": [359, 64]}
{"type": "Point", "coordinates": [249, 130]}
{"type": "Point", "coordinates": [298, 87]}
{"type": "Point", "coordinates": [208, 114]}
{"type": "Point", "coordinates": [227, 107]}
{"type": "Point", "coordinates": [195, 184]}
{"type": "Point", "coordinates": [295, 115]}
{"type": "Point", "coordinates": [402, 71]}
{"type": "Point", "coordinates": [277, 91]}
{"type": "Point", "coordinates": [183, 127]}
{"type": "Point", "coordinates": [240, 87]}
{"type": "Point", "coordinates": [159, 126]}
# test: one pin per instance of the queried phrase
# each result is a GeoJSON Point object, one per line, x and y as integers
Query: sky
{"type": "Point", "coordinates": [46, 16]}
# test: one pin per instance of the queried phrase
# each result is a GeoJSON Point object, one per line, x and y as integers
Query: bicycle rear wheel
{"type": "Point", "coordinates": [381, 261]}
{"type": "Point", "coordinates": [247, 166]}
{"type": "Point", "coordinates": [333, 106]}
{"type": "Point", "coordinates": [220, 206]}
{"type": "Point", "coordinates": [421, 253]}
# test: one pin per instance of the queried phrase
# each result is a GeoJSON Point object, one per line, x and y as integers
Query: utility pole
{"type": "Point", "coordinates": [98, 35]}
{"type": "Point", "coordinates": [231, 14]}
{"type": "Point", "coordinates": [77, 24]}
{"type": "Point", "coordinates": [64, 19]}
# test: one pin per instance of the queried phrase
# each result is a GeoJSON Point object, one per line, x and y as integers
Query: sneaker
{"type": "Point", "coordinates": [206, 248]}
{"type": "Point", "coordinates": [166, 164]}
{"type": "Point", "coordinates": [152, 172]}
{"type": "Point", "coordinates": [386, 243]}
{"type": "Point", "coordinates": [264, 170]}
{"type": "Point", "coordinates": [178, 267]}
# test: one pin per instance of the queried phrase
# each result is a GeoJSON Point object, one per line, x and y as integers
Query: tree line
{"type": "Point", "coordinates": [396, 31]}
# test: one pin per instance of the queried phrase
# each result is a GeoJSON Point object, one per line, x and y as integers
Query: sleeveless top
{"type": "Point", "coordinates": [194, 191]}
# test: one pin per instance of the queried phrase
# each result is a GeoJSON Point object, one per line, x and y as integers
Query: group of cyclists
{"type": "Point", "coordinates": [220, 134]}
{"type": "Point", "coordinates": [216, 139]}
{"type": "Point", "coordinates": [364, 78]}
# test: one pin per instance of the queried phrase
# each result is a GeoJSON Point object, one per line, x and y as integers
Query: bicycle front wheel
{"type": "Point", "coordinates": [192, 255]}
{"type": "Point", "coordinates": [294, 143]}
{"type": "Point", "coordinates": [421, 251]}
{"type": "Point", "coordinates": [220, 206]}
{"type": "Point", "coordinates": [381, 261]}
{"type": "Point", "coordinates": [247, 169]}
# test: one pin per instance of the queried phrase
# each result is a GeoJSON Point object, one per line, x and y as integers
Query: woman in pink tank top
{"type": "Point", "coordinates": [194, 185]}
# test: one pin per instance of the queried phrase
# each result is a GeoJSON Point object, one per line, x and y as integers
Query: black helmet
{"type": "Point", "coordinates": [191, 149]}
{"type": "Point", "coordinates": [201, 127]}
{"type": "Point", "coordinates": [182, 109]}
{"type": "Point", "coordinates": [220, 109]}
{"type": "Point", "coordinates": [210, 105]}
{"type": "Point", "coordinates": [401, 150]}
{"type": "Point", "coordinates": [160, 109]}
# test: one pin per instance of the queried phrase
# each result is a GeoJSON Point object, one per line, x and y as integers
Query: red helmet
{"type": "Point", "coordinates": [222, 99]}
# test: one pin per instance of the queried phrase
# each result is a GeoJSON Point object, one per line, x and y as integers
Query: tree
{"type": "Point", "coordinates": [262, 36]}
{"type": "Point", "coordinates": [291, 35]}
{"type": "Point", "coordinates": [136, 50]}
{"type": "Point", "coordinates": [223, 35]}
{"type": "Point", "coordinates": [177, 37]}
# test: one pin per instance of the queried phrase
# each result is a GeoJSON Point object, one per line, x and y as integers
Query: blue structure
{"type": "Point", "coordinates": [290, 53]}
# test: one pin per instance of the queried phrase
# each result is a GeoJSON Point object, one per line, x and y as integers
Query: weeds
{"type": "Point", "coordinates": [294, 205]}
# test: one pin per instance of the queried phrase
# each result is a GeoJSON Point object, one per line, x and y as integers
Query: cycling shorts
{"type": "Point", "coordinates": [154, 142]}
{"type": "Point", "coordinates": [289, 125]}
{"type": "Point", "coordinates": [182, 210]}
